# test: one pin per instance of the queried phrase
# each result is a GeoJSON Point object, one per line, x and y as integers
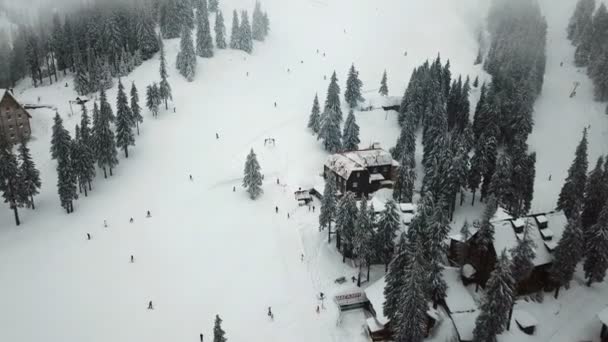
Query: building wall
{"type": "Point", "coordinates": [14, 121]}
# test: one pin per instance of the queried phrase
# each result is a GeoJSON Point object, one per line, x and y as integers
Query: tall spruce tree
{"type": "Point", "coordinates": [235, 32]}
{"type": "Point", "coordinates": [522, 257]}
{"type": "Point", "coordinates": [596, 194]}
{"type": "Point", "coordinates": [395, 280]}
{"type": "Point", "coordinates": [220, 29]}
{"type": "Point", "coordinates": [383, 85]}
{"type": "Point", "coordinates": [257, 22]}
{"type": "Point", "coordinates": [136, 117]}
{"type": "Point", "coordinates": [214, 6]}
{"type": "Point", "coordinates": [330, 131]}
{"type": "Point", "coordinates": [352, 94]}
{"type": "Point", "coordinates": [61, 145]}
{"type": "Point", "coordinates": [332, 101]}
{"type": "Point", "coordinates": [204, 41]}
{"type": "Point", "coordinates": [185, 15]}
{"type": "Point", "coordinates": [147, 41]}
{"type": "Point", "coordinates": [186, 58]}
{"type": "Point", "coordinates": [363, 237]}
{"type": "Point", "coordinates": [124, 121]}
{"type": "Point", "coordinates": [30, 176]}
{"type": "Point", "coordinates": [596, 249]}
{"type": "Point", "coordinates": [245, 36]}
{"type": "Point", "coordinates": [500, 186]}
{"type": "Point", "coordinates": [252, 180]}
{"type": "Point", "coordinates": [497, 303]}
{"type": "Point", "coordinates": [350, 137]}
{"type": "Point", "coordinates": [567, 254]}
{"type": "Point", "coordinates": [170, 22]}
{"type": "Point", "coordinates": [10, 178]}
{"type": "Point", "coordinates": [314, 121]}
{"type": "Point", "coordinates": [105, 140]}
{"type": "Point", "coordinates": [164, 88]}
{"type": "Point", "coordinates": [153, 99]}
{"type": "Point", "coordinates": [346, 214]}
{"type": "Point", "coordinates": [403, 191]}
{"type": "Point", "coordinates": [219, 335]}
{"type": "Point", "coordinates": [328, 203]}
{"type": "Point", "coordinates": [572, 194]}
{"type": "Point", "coordinates": [388, 225]}
{"type": "Point", "coordinates": [83, 161]}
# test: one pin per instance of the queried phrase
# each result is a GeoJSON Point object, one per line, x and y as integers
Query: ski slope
{"type": "Point", "coordinates": [207, 250]}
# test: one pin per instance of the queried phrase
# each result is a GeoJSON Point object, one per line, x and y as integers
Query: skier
{"type": "Point", "coordinates": [324, 77]}
{"type": "Point", "coordinates": [201, 337]}
{"type": "Point", "coordinates": [302, 257]}
{"type": "Point", "coordinates": [276, 209]}
{"type": "Point", "coordinates": [217, 136]}
{"type": "Point", "coordinates": [150, 307]}
{"type": "Point", "coordinates": [317, 309]}
{"type": "Point", "coordinates": [173, 109]}
{"type": "Point", "coordinates": [105, 224]}
{"type": "Point", "coordinates": [288, 216]}
{"type": "Point", "coordinates": [131, 220]}
{"type": "Point", "coordinates": [270, 313]}
{"type": "Point", "coordinates": [549, 177]}
{"type": "Point", "coordinates": [317, 51]}
{"type": "Point", "coordinates": [247, 73]}
{"type": "Point", "coordinates": [148, 214]}
{"type": "Point", "coordinates": [288, 70]}
{"type": "Point", "coordinates": [561, 64]}
{"type": "Point", "coordinates": [275, 105]}
{"type": "Point", "coordinates": [131, 258]}
{"type": "Point", "coordinates": [191, 178]}
{"type": "Point", "coordinates": [88, 236]}
{"type": "Point", "coordinates": [302, 62]}
{"type": "Point", "coordinates": [278, 181]}
{"type": "Point", "coordinates": [234, 189]}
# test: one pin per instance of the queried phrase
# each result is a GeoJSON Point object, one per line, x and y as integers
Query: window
{"type": "Point", "coordinates": [358, 174]}
{"type": "Point", "coordinates": [8, 117]}
{"type": "Point", "coordinates": [385, 169]}
{"type": "Point", "coordinates": [19, 116]}
{"type": "Point", "coordinates": [21, 125]}
{"type": "Point", "coordinates": [13, 135]}
{"type": "Point", "coordinates": [355, 184]}
{"type": "Point", "coordinates": [11, 127]}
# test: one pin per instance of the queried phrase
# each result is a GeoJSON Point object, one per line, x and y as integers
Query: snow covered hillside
{"type": "Point", "coordinates": [207, 250]}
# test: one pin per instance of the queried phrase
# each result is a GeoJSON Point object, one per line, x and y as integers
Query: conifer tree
{"type": "Point", "coordinates": [61, 146]}
{"type": "Point", "coordinates": [153, 99]}
{"type": "Point", "coordinates": [214, 6]}
{"type": "Point", "coordinates": [567, 254]}
{"type": "Point", "coordinates": [522, 257]}
{"type": "Point", "coordinates": [83, 161]}
{"type": "Point", "coordinates": [136, 117]}
{"type": "Point", "coordinates": [497, 303]}
{"type": "Point", "coordinates": [252, 180]}
{"type": "Point", "coordinates": [350, 137]}
{"type": "Point", "coordinates": [81, 81]}
{"type": "Point", "coordinates": [30, 176]}
{"type": "Point", "coordinates": [314, 121]}
{"type": "Point", "coordinates": [170, 21]}
{"type": "Point", "coordinates": [235, 32]}
{"type": "Point", "coordinates": [204, 41]}
{"type": "Point", "coordinates": [383, 85]}
{"type": "Point", "coordinates": [352, 95]}
{"type": "Point", "coordinates": [363, 237]}
{"type": "Point", "coordinates": [60, 138]}
{"type": "Point", "coordinates": [571, 195]}
{"type": "Point", "coordinates": [330, 131]}
{"type": "Point", "coordinates": [596, 194]}
{"type": "Point", "coordinates": [245, 37]}
{"type": "Point", "coordinates": [332, 101]}
{"type": "Point", "coordinates": [485, 234]}
{"type": "Point", "coordinates": [463, 249]}
{"type": "Point", "coordinates": [10, 178]}
{"type": "Point", "coordinates": [500, 186]}
{"type": "Point", "coordinates": [124, 121]}
{"type": "Point", "coordinates": [596, 249]}
{"type": "Point", "coordinates": [345, 223]}
{"type": "Point", "coordinates": [219, 335]}
{"type": "Point", "coordinates": [257, 22]}
{"type": "Point", "coordinates": [164, 89]}
{"type": "Point", "coordinates": [328, 203]}
{"type": "Point", "coordinates": [220, 29]}
{"type": "Point", "coordinates": [105, 140]}
{"type": "Point", "coordinates": [266, 24]}
{"type": "Point", "coordinates": [184, 10]}
{"type": "Point", "coordinates": [104, 106]}
{"type": "Point", "coordinates": [146, 36]}
{"type": "Point", "coordinates": [395, 280]}
{"type": "Point", "coordinates": [403, 191]}
{"type": "Point", "coordinates": [388, 225]}
{"type": "Point", "coordinates": [186, 58]}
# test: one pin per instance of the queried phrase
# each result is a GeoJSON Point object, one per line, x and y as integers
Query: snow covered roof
{"type": "Point", "coordinates": [519, 223]}
{"type": "Point", "coordinates": [407, 207]}
{"type": "Point", "coordinates": [375, 295]}
{"type": "Point", "coordinates": [373, 324]}
{"type": "Point", "coordinates": [375, 177]}
{"type": "Point", "coordinates": [345, 163]}
{"type": "Point", "coordinates": [460, 303]}
{"type": "Point", "coordinates": [506, 238]}
{"type": "Point", "coordinates": [524, 319]}
{"type": "Point", "coordinates": [603, 316]}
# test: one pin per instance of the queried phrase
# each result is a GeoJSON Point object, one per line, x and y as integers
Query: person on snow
{"type": "Point", "coordinates": [270, 313]}
{"type": "Point", "coordinates": [131, 220]}
{"type": "Point", "coordinates": [148, 214]}
{"type": "Point", "coordinates": [191, 178]}
{"type": "Point", "coordinates": [201, 337]}
{"type": "Point", "coordinates": [275, 105]}
{"type": "Point", "coordinates": [276, 209]}
{"type": "Point", "coordinates": [234, 189]}
{"type": "Point", "coordinates": [288, 216]}
{"type": "Point", "coordinates": [88, 236]}
{"type": "Point", "coordinates": [317, 309]}
{"type": "Point", "coordinates": [132, 258]}
{"type": "Point", "coordinates": [217, 136]}
{"type": "Point", "coordinates": [278, 182]}
{"type": "Point", "coordinates": [105, 224]}
{"type": "Point", "coordinates": [150, 307]}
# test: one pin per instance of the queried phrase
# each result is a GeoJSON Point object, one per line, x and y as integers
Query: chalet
{"type": "Point", "coordinates": [603, 316]}
{"type": "Point", "coordinates": [14, 119]}
{"type": "Point", "coordinates": [361, 172]}
{"type": "Point", "coordinates": [545, 230]}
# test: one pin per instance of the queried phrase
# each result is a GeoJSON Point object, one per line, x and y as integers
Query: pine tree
{"type": "Point", "coordinates": [164, 89]}
{"type": "Point", "coordinates": [257, 22]}
{"type": "Point", "coordinates": [220, 29]}
{"type": "Point", "coordinates": [83, 161]}
{"type": "Point", "coordinates": [328, 203]}
{"type": "Point", "coordinates": [136, 117]}
{"type": "Point", "coordinates": [153, 99]}
{"type": "Point", "coordinates": [581, 18]}
{"type": "Point", "coordinates": [388, 225]}
{"type": "Point", "coordinates": [105, 141]}
{"type": "Point", "coordinates": [522, 257]}
{"type": "Point", "coordinates": [60, 138]}
{"type": "Point", "coordinates": [253, 178]}
{"type": "Point", "coordinates": [403, 191]}
{"type": "Point", "coordinates": [567, 254]}
{"type": "Point", "coordinates": [332, 101]}
{"type": "Point", "coordinates": [395, 280]}
{"type": "Point", "coordinates": [146, 36]}
{"type": "Point", "coordinates": [170, 21]}
{"type": "Point", "coordinates": [596, 194]}
{"type": "Point", "coordinates": [218, 332]}
{"type": "Point", "coordinates": [214, 6]}
{"type": "Point", "coordinates": [266, 24]}
{"type": "Point", "coordinates": [235, 32]}
{"type": "Point", "coordinates": [500, 186]}
{"type": "Point", "coordinates": [186, 58]}
{"type": "Point", "coordinates": [363, 237]}
{"type": "Point", "coordinates": [204, 41]}
{"type": "Point", "coordinates": [61, 145]}
{"type": "Point", "coordinates": [571, 195]}
{"type": "Point", "coordinates": [314, 121]}
{"type": "Point", "coordinates": [485, 235]}
{"type": "Point", "coordinates": [345, 223]}
{"type": "Point", "coordinates": [330, 131]}
{"type": "Point", "coordinates": [383, 85]}
{"type": "Point", "coordinates": [10, 179]}
{"type": "Point", "coordinates": [107, 81]}
{"type": "Point", "coordinates": [245, 37]}
{"type": "Point", "coordinates": [596, 249]}
{"type": "Point", "coordinates": [497, 303]}
{"type": "Point", "coordinates": [351, 133]}
{"type": "Point", "coordinates": [124, 121]}
{"type": "Point", "coordinates": [184, 10]}
{"type": "Point", "coordinates": [81, 81]}
{"type": "Point", "coordinates": [104, 107]}
{"type": "Point", "coordinates": [30, 176]}
{"type": "Point", "coordinates": [352, 95]}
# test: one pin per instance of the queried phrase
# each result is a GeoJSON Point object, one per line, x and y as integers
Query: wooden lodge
{"type": "Point", "coordinates": [14, 119]}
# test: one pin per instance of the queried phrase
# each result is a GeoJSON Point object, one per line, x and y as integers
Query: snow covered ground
{"type": "Point", "coordinates": [209, 250]}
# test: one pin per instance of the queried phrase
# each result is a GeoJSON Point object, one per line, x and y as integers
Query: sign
{"type": "Point", "coordinates": [351, 298]}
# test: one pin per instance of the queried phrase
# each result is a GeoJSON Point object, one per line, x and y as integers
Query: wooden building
{"type": "Point", "coordinates": [544, 229]}
{"type": "Point", "coordinates": [14, 119]}
{"type": "Point", "coordinates": [361, 172]}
